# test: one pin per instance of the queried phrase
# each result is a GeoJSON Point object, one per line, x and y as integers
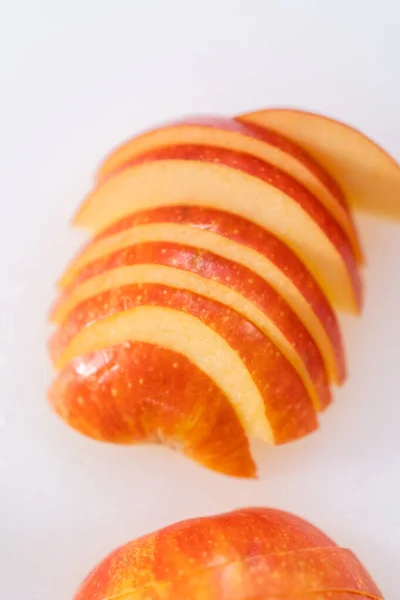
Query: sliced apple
{"type": "Point", "coordinates": [227, 282]}
{"type": "Point", "coordinates": [248, 554]}
{"type": "Point", "coordinates": [230, 237]}
{"type": "Point", "coordinates": [228, 133]}
{"type": "Point", "coordinates": [241, 184]}
{"type": "Point", "coordinates": [265, 390]}
{"type": "Point", "coordinates": [138, 393]}
{"type": "Point", "coordinates": [369, 176]}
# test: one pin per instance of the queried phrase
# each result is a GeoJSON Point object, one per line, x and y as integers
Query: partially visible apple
{"type": "Point", "coordinates": [263, 387]}
{"type": "Point", "coordinates": [248, 554]}
{"type": "Point", "coordinates": [228, 133]}
{"type": "Point", "coordinates": [229, 237]}
{"type": "Point", "coordinates": [241, 184]}
{"type": "Point", "coordinates": [369, 176]}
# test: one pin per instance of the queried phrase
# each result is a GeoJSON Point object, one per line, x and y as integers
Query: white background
{"type": "Point", "coordinates": [78, 77]}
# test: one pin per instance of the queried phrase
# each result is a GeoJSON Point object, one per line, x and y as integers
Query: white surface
{"type": "Point", "coordinates": [77, 77]}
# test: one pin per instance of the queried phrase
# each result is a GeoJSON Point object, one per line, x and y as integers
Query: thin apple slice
{"type": "Point", "coordinates": [228, 133]}
{"type": "Point", "coordinates": [241, 184]}
{"type": "Point", "coordinates": [219, 279]}
{"type": "Point", "coordinates": [265, 390]}
{"type": "Point", "coordinates": [137, 393]}
{"type": "Point", "coordinates": [230, 237]}
{"type": "Point", "coordinates": [369, 176]}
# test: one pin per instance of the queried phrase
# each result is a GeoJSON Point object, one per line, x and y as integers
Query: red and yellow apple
{"type": "Point", "coordinates": [248, 554]}
{"type": "Point", "coordinates": [199, 314]}
{"type": "Point", "coordinates": [368, 176]}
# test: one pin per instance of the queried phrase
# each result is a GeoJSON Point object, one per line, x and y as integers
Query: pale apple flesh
{"type": "Point", "coordinates": [222, 280]}
{"type": "Point", "coordinates": [241, 184]}
{"type": "Point", "coordinates": [228, 133]}
{"type": "Point", "coordinates": [266, 392]}
{"type": "Point", "coordinates": [248, 554]}
{"type": "Point", "coordinates": [229, 237]}
{"type": "Point", "coordinates": [368, 176]}
{"type": "Point", "coordinates": [139, 393]}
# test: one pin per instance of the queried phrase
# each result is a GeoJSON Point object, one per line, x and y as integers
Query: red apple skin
{"type": "Point", "coordinates": [237, 277]}
{"type": "Point", "coordinates": [272, 175]}
{"type": "Point", "coordinates": [288, 406]}
{"type": "Point", "coordinates": [283, 575]}
{"type": "Point", "coordinates": [254, 553]}
{"type": "Point", "coordinates": [251, 235]}
{"type": "Point", "coordinates": [136, 393]}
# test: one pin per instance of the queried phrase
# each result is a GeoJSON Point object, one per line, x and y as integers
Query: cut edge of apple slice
{"type": "Point", "coordinates": [242, 137]}
{"type": "Point", "coordinates": [299, 351]}
{"type": "Point", "coordinates": [198, 182]}
{"type": "Point", "coordinates": [325, 332]}
{"type": "Point", "coordinates": [370, 183]}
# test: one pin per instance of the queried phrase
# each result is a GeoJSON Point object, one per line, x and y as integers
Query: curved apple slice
{"type": "Point", "coordinates": [369, 176]}
{"type": "Point", "coordinates": [230, 237]}
{"type": "Point", "coordinates": [228, 133]}
{"type": "Point", "coordinates": [265, 390]}
{"type": "Point", "coordinates": [241, 184]}
{"type": "Point", "coordinates": [219, 279]}
{"type": "Point", "coordinates": [137, 393]}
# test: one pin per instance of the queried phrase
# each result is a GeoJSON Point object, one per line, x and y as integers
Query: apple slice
{"type": "Point", "coordinates": [241, 184]}
{"type": "Point", "coordinates": [230, 237]}
{"type": "Point", "coordinates": [265, 390]}
{"type": "Point", "coordinates": [369, 177]}
{"type": "Point", "coordinates": [217, 278]}
{"type": "Point", "coordinates": [138, 392]}
{"type": "Point", "coordinates": [228, 133]}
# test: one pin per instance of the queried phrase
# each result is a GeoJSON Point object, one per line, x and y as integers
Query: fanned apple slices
{"type": "Point", "coordinates": [199, 314]}
{"type": "Point", "coordinates": [244, 185]}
